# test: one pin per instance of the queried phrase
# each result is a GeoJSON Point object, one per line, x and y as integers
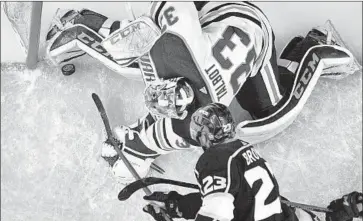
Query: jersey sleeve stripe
{"type": "Point", "coordinates": [220, 6]}
{"type": "Point", "coordinates": [252, 5]}
{"type": "Point", "coordinates": [160, 135]}
{"type": "Point", "coordinates": [165, 134]}
{"type": "Point", "coordinates": [270, 84]}
{"type": "Point", "coordinates": [158, 10]}
{"type": "Point", "coordinates": [153, 8]}
{"type": "Point", "coordinates": [155, 137]}
{"type": "Point", "coordinates": [226, 8]}
{"type": "Point", "coordinates": [230, 14]}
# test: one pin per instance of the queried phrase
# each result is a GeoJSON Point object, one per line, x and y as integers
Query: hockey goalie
{"type": "Point", "coordinates": [192, 54]}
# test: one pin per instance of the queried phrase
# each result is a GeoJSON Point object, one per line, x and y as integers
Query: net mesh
{"type": "Point", "coordinates": [19, 15]}
{"type": "Point", "coordinates": [340, 71]}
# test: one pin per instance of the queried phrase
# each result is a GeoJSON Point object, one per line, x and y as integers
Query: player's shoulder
{"type": "Point", "coordinates": [235, 12]}
{"type": "Point", "coordinates": [216, 158]}
{"type": "Point", "coordinates": [222, 156]}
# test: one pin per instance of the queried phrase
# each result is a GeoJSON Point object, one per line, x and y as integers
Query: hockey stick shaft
{"type": "Point", "coordinates": [126, 192]}
{"type": "Point", "coordinates": [132, 170]}
{"type": "Point", "coordinates": [133, 187]}
{"type": "Point", "coordinates": [306, 206]}
{"type": "Point", "coordinates": [106, 122]}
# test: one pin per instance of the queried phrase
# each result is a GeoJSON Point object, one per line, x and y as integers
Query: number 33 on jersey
{"type": "Point", "coordinates": [226, 42]}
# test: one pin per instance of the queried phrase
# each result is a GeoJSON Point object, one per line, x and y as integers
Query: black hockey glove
{"type": "Point", "coordinates": [346, 208]}
{"type": "Point", "coordinates": [170, 201]}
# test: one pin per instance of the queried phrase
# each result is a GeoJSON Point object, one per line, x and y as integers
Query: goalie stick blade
{"type": "Point", "coordinates": [130, 189]}
{"type": "Point", "coordinates": [102, 111]}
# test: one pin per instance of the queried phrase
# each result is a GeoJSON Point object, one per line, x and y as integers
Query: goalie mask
{"type": "Point", "coordinates": [169, 98]}
{"type": "Point", "coordinates": [211, 125]}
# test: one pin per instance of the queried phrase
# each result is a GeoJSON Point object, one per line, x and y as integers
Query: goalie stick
{"type": "Point", "coordinates": [102, 111]}
{"type": "Point", "coordinates": [126, 192]}
{"type": "Point", "coordinates": [132, 170]}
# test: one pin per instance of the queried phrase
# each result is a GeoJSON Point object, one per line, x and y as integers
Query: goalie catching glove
{"type": "Point", "coordinates": [134, 147]}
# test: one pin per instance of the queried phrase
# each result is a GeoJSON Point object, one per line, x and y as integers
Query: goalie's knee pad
{"type": "Point", "coordinates": [91, 19]}
{"type": "Point", "coordinates": [100, 23]}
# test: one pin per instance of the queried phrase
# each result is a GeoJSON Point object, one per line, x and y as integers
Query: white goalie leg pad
{"type": "Point", "coordinates": [256, 131]}
{"type": "Point", "coordinates": [129, 43]}
{"type": "Point", "coordinates": [338, 72]}
{"type": "Point", "coordinates": [81, 39]}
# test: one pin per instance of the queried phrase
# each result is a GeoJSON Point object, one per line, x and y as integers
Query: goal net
{"type": "Point", "coordinates": [22, 21]}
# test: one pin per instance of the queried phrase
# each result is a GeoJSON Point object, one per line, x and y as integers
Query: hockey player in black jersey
{"type": "Point", "coordinates": [196, 53]}
{"type": "Point", "coordinates": [235, 182]}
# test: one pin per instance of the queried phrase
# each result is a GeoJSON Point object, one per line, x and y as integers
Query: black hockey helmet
{"type": "Point", "coordinates": [212, 124]}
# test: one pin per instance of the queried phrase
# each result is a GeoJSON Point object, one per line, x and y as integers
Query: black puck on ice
{"type": "Point", "coordinates": [68, 69]}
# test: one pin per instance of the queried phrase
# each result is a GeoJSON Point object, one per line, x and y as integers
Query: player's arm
{"type": "Point", "coordinates": [163, 136]}
{"type": "Point", "coordinates": [181, 19]}
{"type": "Point", "coordinates": [216, 186]}
{"type": "Point", "coordinates": [214, 200]}
{"type": "Point", "coordinates": [182, 47]}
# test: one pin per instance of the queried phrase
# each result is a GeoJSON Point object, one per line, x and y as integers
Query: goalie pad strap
{"type": "Point", "coordinates": [105, 30]}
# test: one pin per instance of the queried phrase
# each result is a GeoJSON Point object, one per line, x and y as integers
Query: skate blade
{"type": "Point", "coordinates": [341, 71]}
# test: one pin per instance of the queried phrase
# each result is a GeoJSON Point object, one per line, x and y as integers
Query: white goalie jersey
{"type": "Point", "coordinates": [216, 45]}
{"type": "Point", "coordinates": [223, 43]}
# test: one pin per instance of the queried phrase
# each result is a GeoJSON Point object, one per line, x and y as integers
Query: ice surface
{"type": "Point", "coordinates": [50, 142]}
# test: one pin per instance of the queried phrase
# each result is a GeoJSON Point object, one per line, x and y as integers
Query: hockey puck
{"type": "Point", "coordinates": [68, 69]}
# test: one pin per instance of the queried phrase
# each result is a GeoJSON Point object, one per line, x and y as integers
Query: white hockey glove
{"type": "Point", "coordinates": [133, 145]}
